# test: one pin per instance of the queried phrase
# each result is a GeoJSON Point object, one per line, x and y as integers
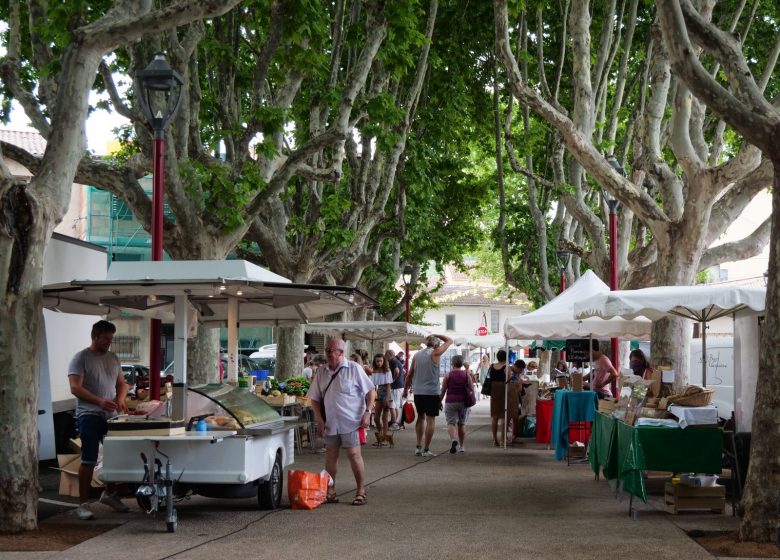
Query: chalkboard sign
{"type": "Point", "coordinates": [578, 349]}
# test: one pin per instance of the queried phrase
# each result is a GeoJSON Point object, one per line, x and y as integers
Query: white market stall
{"type": "Point", "coordinates": [698, 303]}
{"type": "Point", "coordinates": [224, 462]}
{"type": "Point", "coordinates": [556, 320]}
{"type": "Point", "coordinates": [371, 331]}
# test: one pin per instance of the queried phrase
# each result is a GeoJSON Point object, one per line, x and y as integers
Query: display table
{"type": "Point", "coordinates": [544, 414]}
{"type": "Point", "coordinates": [570, 406]}
{"type": "Point", "coordinates": [623, 452]}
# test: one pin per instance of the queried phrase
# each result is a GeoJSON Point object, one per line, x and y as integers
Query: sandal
{"type": "Point", "coordinates": [360, 499]}
{"type": "Point", "coordinates": [331, 499]}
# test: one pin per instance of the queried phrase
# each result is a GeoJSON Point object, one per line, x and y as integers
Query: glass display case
{"type": "Point", "coordinates": [249, 410]}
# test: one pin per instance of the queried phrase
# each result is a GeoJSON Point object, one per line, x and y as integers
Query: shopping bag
{"type": "Point", "coordinates": [408, 412]}
{"type": "Point", "coordinates": [307, 490]}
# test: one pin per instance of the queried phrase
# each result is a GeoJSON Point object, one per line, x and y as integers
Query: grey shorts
{"type": "Point", "coordinates": [456, 413]}
{"type": "Point", "coordinates": [352, 439]}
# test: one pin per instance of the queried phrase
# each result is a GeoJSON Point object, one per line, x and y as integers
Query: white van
{"type": "Point", "coordinates": [720, 371]}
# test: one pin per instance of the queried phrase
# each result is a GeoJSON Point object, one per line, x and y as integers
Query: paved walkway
{"type": "Point", "coordinates": [485, 503]}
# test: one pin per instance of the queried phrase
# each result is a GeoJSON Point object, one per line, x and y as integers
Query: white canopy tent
{"type": "Point", "coordinates": [698, 303]}
{"type": "Point", "coordinates": [497, 340]}
{"type": "Point", "coordinates": [556, 319]}
{"type": "Point", "coordinates": [371, 331]}
{"type": "Point", "coordinates": [701, 303]}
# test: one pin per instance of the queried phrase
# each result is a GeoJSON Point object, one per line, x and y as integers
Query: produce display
{"type": "Point", "coordinates": [298, 386]}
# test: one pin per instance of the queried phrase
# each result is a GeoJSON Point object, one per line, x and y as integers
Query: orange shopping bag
{"type": "Point", "coordinates": [307, 490]}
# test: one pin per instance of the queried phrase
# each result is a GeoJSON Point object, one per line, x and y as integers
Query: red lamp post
{"type": "Point", "coordinates": [563, 258]}
{"type": "Point", "coordinates": [612, 203]}
{"type": "Point", "coordinates": [158, 88]}
{"type": "Point", "coordinates": [406, 276]}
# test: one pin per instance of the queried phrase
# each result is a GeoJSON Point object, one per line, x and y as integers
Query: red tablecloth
{"type": "Point", "coordinates": [544, 413]}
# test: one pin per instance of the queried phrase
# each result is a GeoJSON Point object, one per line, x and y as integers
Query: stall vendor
{"type": "Point", "coordinates": [96, 380]}
{"type": "Point", "coordinates": [603, 371]}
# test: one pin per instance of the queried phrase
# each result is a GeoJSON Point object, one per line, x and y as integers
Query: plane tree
{"type": "Point", "coordinates": [688, 175]}
{"type": "Point", "coordinates": [744, 96]}
{"type": "Point", "coordinates": [50, 74]}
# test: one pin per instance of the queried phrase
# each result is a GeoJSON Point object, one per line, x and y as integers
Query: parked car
{"type": "Point", "coordinates": [267, 351]}
{"type": "Point", "coordinates": [135, 373]}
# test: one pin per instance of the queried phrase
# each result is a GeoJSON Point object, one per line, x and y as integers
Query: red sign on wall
{"type": "Point", "coordinates": [482, 331]}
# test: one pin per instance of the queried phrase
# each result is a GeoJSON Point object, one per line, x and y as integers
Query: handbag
{"type": "Point", "coordinates": [486, 386]}
{"type": "Point", "coordinates": [471, 398]}
{"type": "Point", "coordinates": [408, 412]}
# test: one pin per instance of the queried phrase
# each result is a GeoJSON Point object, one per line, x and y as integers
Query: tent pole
{"type": "Point", "coordinates": [506, 390]}
{"type": "Point", "coordinates": [733, 366]}
{"type": "Point", "coordinates": [703, 352]}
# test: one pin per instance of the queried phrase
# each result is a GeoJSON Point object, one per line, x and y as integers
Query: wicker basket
{"type": "Point", "coordinates": [697, 399]}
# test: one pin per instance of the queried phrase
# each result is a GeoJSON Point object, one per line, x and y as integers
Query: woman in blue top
{"type": "Point", "coordinates": [454, 387]}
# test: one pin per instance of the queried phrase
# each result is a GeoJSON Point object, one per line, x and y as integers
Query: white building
{"type": "Point", "coordinates": [464, 305]}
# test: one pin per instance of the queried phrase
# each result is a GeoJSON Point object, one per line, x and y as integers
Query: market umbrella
{"type": "Point", "coordinates": [698, 303]}
{"type": "Point", "coordinates": [371, 331]}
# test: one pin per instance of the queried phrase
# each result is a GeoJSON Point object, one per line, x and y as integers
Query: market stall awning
{"type": "Point", "coordinates": [556, 319]}
{"type": "Point", "coordinates": [699, 303]}
{"type": "Point", "coordinates": [149, 288]}
{"type": "Point", "coordinates": [490, 341]}
{"type": "Point", "coordinates": [372, 331]}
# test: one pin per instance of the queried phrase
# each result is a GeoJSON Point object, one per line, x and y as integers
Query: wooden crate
{"type": "Point", "coordinates": [683, 498]}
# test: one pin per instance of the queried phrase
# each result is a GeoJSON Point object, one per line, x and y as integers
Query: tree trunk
{"type": "Point", "coordinates": [760, 501]}
{"type": "Point", "coordinates": [672, 336]}
{"type": "Point", "coordinates": [20, 324]}
{"type": "Point", "coordinates": [203, 355]}
{"type": "Point", "coordinates": [289, 352]}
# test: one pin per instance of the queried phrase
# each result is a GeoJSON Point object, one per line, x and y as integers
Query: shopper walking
{"type": "Point", "coordinates": [423, 378]}
{"type": "Point", "coordinates": [453, 388]}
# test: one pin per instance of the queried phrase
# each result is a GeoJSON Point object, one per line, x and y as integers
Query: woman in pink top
{"type": "Point", "coordinates": [603, 372]}
{"type": "Point", "coordinates": [453, 386]}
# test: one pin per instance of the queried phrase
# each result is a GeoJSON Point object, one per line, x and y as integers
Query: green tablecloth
{"type": "Point", "coordinates": [622, 452]}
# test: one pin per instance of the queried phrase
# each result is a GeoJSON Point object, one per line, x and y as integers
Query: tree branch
{"type": "Point", "coordinates": [745, 248]}
{"type": "Point", "coordinates": [754, 118]}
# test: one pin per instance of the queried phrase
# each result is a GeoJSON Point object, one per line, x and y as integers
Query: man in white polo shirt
{"type": "Point", "coordinates": [347, 394]}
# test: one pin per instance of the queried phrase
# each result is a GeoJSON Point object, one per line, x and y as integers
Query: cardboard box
{"type": "Point", "coordinates": [576, 382]}
{"type": "Point", "coordinates": [607, 405]}
{"type": "Point", "coordinates": [69, 473]}
{"type": "Point", "coordinates": [278, 401]}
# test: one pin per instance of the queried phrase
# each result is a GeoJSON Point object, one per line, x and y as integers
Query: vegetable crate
{"type": "Point", "coordinates": [683, 498]}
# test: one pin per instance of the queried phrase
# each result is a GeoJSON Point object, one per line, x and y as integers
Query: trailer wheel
{"type": "Point", "coordinates": [144, 502]}
{"type": "Point", "coordinates": [269, 493]}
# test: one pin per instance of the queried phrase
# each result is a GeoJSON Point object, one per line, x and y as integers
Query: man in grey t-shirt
{"type": "Point", "coordinates": [96, 380]}
{"type": "Point", "coordinates": [423, 378]}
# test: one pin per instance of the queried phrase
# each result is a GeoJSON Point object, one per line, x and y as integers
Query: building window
{"type": "Point", "coordinates": [494, 322]}
{"type": "Point", "coordinates": [126, 347]}
{"type": "Point", "coordinates": [450, 322]}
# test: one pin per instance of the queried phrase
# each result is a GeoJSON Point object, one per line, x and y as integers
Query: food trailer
{"type": "Point", "coordinates": [248, 444]}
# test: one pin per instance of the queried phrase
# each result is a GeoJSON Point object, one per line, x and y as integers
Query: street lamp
{"type": "Point", "coordinates": [563, 258]}
{"type": "Point", "coordinates": [612, 203]}
{"type": "Point", "coordinates": [158, 89]}
{"type": "Point", "coordinates": [406, 276]}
